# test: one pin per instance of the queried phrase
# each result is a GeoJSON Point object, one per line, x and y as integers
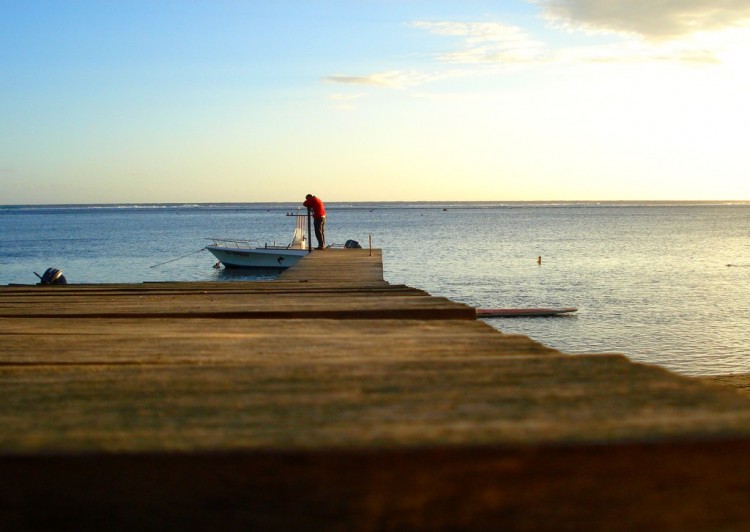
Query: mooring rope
{"type": "Point", "coordinates": [178, 258]}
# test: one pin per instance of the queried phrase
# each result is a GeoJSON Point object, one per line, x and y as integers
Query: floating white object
{"type": "Point", "coordinates": [521, 312]}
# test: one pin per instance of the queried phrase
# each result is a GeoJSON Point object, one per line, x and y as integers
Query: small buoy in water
{"type": "Point", "coordinates": [539, 260]}
{"type": "Point", "coordinates": [52, 276]}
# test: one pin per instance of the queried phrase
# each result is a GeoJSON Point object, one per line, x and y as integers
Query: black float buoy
{"type": "Point", "coordinates": [52, 276]}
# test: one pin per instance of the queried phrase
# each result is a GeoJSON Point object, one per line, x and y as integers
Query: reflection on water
{"type": "Point", "coordinates": [244, 274]}
{"type": "Point", "coordinates": [649, 282]}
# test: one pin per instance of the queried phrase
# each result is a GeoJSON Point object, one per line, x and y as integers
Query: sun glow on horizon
{"type": "Point", "coordinates": [542, 100]}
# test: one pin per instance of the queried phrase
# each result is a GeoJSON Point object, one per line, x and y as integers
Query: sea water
{"type": "Point", "coordinates": [662, 283]}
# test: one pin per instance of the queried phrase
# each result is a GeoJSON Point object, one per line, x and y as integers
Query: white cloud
{"type": "Point", "coordinates": [486, 42]}
{"type": "Point", "coordinates": [476, 32]}
{"type": "Point", "coordinates": [394, 79]}
{"type": "Point", "coordinates": [653, 19]}
{"type": "Point", "coordinates": [501, 44]}
{"type": "Point", "coordinates": [697, 32]}
{"type": "Point", "coordinates": [636, 51]}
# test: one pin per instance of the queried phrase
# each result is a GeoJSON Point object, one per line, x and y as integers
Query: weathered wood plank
{"type": "Point", "coordinates": [164, 405]}
{"type": "Point", "coordinates": [332, 284]}
{"type": "Point", "coordinates": [700, 485]}
{"type": "Point", "coordinates": [338, 265]}
{"type": "Point", "coordinates": [357, 402]}
{"type": "Point", "coordinates": [220, 342]}
{"type": "Point", "coordinates": [348, 305]}
{"type": "Point", "coordinates": [234, 287]}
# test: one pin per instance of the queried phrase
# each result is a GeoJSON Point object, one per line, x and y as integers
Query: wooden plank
{"type": "Point", "coordinates": [699, 485]}
{"type": "Point", "coordinates": [87, 341]}
{"type": "Point", "coordinates": [245, 302]}
{"type": "Point", "coordinates": [290, 286]}
{"type": "Point", "coordinates": [330, 284]}
{"type": "Point", "coordinates": [338, 265]}
{"type": "Point", "coordinates": [158, 383]}
{"type": "Point", "coordinates": [163, 405]}
{"type": "Point", "coordinates": [348, 306]}
{"type": "Point", "coordinates": [356, 402]}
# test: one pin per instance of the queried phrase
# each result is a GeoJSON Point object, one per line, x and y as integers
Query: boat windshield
{"type": "Point", "coordinates": [298, 238]}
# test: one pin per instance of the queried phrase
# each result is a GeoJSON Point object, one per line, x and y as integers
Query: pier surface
{"type": "Point", "coordinates": [331, 399]}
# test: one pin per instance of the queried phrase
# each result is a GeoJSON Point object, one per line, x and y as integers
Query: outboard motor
{"type": "Point", "coordinates": [52, 276]}
{"type": "Point", "coordinates": [352, 244]}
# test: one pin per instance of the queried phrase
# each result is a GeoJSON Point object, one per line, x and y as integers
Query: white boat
{"type": "Point", "coordinates": [249, 254]}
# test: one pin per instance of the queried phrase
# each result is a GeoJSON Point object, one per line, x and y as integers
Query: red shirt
{"type": "Point", "coordinates": [316, 205]}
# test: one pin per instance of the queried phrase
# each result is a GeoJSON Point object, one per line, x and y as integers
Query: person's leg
{"type": "Point", "coordinates": [318, 222]}
{"type": "Point", "coordinates": [323, 232]}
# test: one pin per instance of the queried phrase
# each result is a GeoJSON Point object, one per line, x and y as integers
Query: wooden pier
{"type": "Point", "coordinates": [331, 399]}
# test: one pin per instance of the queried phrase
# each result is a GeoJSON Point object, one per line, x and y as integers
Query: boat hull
{"type": "Point", "coordinates": [280, 259]}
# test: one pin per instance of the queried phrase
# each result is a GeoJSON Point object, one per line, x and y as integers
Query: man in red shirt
{"type": "Point", "coordinates": [314, 204]}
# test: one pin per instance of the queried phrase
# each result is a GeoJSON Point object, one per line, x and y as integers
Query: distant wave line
{"type": "Point", "coordinates": [376, 205]}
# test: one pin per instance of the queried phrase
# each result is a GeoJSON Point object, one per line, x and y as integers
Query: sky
{"type": "Point", "coordinates": [374, 100]}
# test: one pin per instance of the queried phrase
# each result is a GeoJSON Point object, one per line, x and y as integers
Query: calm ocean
{"type": "Point", "coordinates": [663, 283]}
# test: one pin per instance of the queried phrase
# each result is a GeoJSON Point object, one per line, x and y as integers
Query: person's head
{"type": "Point", "coordinates": [308, 196]}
